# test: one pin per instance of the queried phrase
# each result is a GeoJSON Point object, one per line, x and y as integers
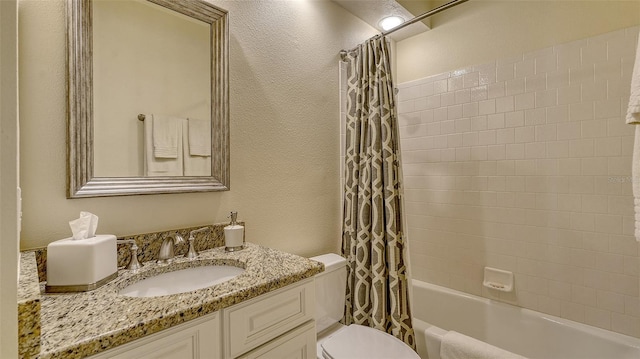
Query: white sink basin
{"type": "Point", "coordinates": [180, 281]}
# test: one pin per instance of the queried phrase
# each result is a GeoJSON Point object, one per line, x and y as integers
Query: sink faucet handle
{"type": "Point", "coordinates": [133, 261]}
{"type": "Point", "coordinates": [192, 253]}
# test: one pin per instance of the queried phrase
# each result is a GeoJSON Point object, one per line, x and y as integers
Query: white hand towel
{"type": "Point", "coordinates": [154, 166]}
{"type": "Point", "coordinates": [459, 346]}
{"type": "Point", "coordinates": [194, 165]}
{"type": "Point", "coordinates": [633, 117]}
{"type": "Point", "coordinates": [199, 137]}
{"type": "Point", "coordinates": [165, 136]}
{"type": "Point", "coordinates": [633, 111]}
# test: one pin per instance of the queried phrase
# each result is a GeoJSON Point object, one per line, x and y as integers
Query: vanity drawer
{"type": "Point", "coordinates": [256, 321]}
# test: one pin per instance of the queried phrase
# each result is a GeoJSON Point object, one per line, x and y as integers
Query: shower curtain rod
{"type": "Point", "coordinates": [420, 17]}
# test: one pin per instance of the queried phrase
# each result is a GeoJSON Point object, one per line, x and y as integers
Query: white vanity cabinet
{"type": "Point", "coordinates": [198, 339]}
{"type": "Point", "coordinates": [278, 321]}
{"type": "Point", "coordinates": [278, 325]}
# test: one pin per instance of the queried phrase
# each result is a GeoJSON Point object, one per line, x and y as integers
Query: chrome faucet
{"type": "Point", "coordinates": [167, 248]}
{"type": "Point", "coordinates": [192, 253]}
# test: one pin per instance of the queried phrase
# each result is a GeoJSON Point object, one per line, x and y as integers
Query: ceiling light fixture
{"type": "Point", "coordinates": [390, 22]}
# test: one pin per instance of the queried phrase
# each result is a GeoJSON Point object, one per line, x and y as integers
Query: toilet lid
{"type": "Point", "coordinates": [357, 341]}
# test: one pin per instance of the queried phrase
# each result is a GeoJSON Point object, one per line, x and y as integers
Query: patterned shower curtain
{"type": "Point", "coordinates": [372, 238]}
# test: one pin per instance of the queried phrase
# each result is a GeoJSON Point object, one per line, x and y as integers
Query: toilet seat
{"type": "Point", "coordinates": [357, 341]}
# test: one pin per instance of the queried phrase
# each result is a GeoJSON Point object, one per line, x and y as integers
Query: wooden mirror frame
{"type": "Point", "coordinates": [80, 179]}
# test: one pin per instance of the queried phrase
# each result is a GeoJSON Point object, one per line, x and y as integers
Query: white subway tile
{"type": "Point", "coordinates": [569, 55]}
{"type": "Point", "coordinates": [514, 151]}
{"type": "Point", "coordinates": [569, 166]}
{"type": "Point", "coordinates": [595, 166]}
{"type": "Point", "coordinates": [536, 116]}
{"type": "Point", "coordinates": [426, 90]}
{"type": "Point", "coordinates": [608, 146]}
{"type": "Point", "coordinates": [570, 94]}
{"type": "Point", "coordinates": [514, 87]}
{"type": "Point", "coordinates": [447, 99]}
{"type": "Point", "coordinates": [433, 101]}
{"type": "Point", "coordinates": [525, 68]}
{"type": "Point", "coordinates": [618, 127]}
{"type": "Point", "coordinates": [470, 139]}
{"type": "Point", "coordinates": [470, 109]}
{"type": "Point", "coordinates": [455, 83]}
{"type": "Point", "coordinates": [535, 150]}
{"type": "Point", "coordinates": [592, 91]}
{"type": "Point", "coordinates": [496, 90]}
{"type": "Point", "coordinates": [594, 128]}
{"type": "Point", "coordinates": [479, 153]}
{"type": "Point", "coordinates": [462, 125]}
{"type": "Point", "coordinates": [546, 132]}
{"type": "Point", "coordinates": [573, 311]}
{"type": "Point", "coordinates": [606, 223]}
{"type": "Point", "coordinates": [624, 284]}
{"type": "Point", "coordinates": [535, 83]}
{"type": "Point", "coordinates": [583, 295]}
{"type": "Point", "coordinates": [440, 86]}
{"type": "Point", "coordinates": [569, 202]}
{"type": "Point", "coordinates": [594, 53]}
{"type": "Point", "coordinates": [581, 184]}
{"type": "Point", "coordinates": [505, 135]}
{"type": "Point", "coordinates": [625, 324]}
{"type": "Point", "coordinates": [598, 318]}
{"type": "Point", "coordinates": [447, 127]}
{"type": "Point", "coordinates": [558, 149]}
{"type": "Point", "coordinates": [577, 147]}
{"type": "Point", "coordinates": [487, 107]}
{"type": "Point", "coordinates": [558, 79]}
{"type": "Point", "coordinates": [505, 104]}
{"type": "Point", "coordinates": [495, 121]}
{"type": "Point", "coordinates": [471, 79]}
{"type": "Point", "coordinates": [487, 137]}
{"type": "Point", "coordinates": [525, 167]}
{"type": "Point", "coordinates": [454, 112]}
{"type": "Point", "coordinates": [505, 72]}
{"type": "Point", "coordinates": [462, 96]}
{"type": "Point", "coordinates": [583, 74]}
{"type": "Point", "coordinates": [525, 134]}
{"type": "Point", "coordinates": [547, 98]}
{"type": "Point", "coordinates": [426, 116]}
{"type": "Point", "coordinates": [607, 108]}
{"type": "Point", "coordinates": [478, 123]}
{"type": "Point", "coordinates": [514, 119]}
{"type": "Point", "coordinates": [495, 152]}
{"type": "Point", "coordinates": [479, 93]}
{"type": "Point", "coordinates": [525, 101]}
{"type": "Point", "coordinates": [440, 114]}
{"type": "Point", "coordinates": [454, 140]}
{"type": "Point", "coordinates": [557, 114]}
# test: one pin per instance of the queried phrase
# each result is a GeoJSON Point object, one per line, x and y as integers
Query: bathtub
{"type": "Point", "coordinates": [534, 335]}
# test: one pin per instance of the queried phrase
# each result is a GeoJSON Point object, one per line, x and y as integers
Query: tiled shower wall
{"type": "Point", "coordinates": [524, 164]}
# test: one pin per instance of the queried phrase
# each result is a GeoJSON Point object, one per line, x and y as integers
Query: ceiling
{"type": "Point", "coordinates": [372, 11]}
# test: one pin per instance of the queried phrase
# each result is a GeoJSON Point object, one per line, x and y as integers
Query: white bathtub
{"type": "Point", "coordinates": [525, 332]}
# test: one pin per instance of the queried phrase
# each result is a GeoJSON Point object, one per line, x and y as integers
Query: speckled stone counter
{"type": "Point", "coordinates": [28, 306]}
{"type": "Point", "coordinates": [82, 324]}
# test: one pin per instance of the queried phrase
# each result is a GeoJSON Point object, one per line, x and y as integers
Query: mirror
{"type": "Point", "coordinates": [133, 67]}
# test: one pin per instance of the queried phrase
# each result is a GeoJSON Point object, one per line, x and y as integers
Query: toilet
{"type": "Point", "coordinates": [337, 341]}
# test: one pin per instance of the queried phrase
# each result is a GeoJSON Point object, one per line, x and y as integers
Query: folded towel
{"type": "Point", "coordinates": [633, 117]}
{"type": "Point", "coordinates": [199, 137]}
{"type": "Point", "coordinates": [157, 166]}
{"type": "Point", "coordinates": [459, 346]}
{"type": "Point", "coordinates": [194, 165]}
{"type": "Point", "coordinates": [165, 136]}
{"type": "Point", "coordinates": [633, 111]}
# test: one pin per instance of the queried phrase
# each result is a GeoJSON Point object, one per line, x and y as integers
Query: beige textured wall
{"type": "Point", "coordinates": [480, 31]}
{"type": "Point", "coordinates": [8, 180]}
{"type": "Point", "coordinates": [284, 121]}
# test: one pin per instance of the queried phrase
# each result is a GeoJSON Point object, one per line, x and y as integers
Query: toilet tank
{"type": "Point", "coordinates": [330, 290]}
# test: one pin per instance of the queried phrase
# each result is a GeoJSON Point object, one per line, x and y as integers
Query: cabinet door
{"type": "Point", "coordinates": [249, 324]}
{"type": "Point", "coordinates": [299, 343]}
{"type": "Point", "coordinates": [197, 339]}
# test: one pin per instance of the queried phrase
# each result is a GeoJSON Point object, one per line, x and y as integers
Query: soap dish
{"type": "Point", "coordinates": [498, 279]}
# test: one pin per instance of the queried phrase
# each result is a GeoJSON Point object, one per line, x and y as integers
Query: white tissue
{"type": "Point", "coordinates": [85, 226]}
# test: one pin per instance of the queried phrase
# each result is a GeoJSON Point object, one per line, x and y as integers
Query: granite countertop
{"type": "Point", "coordinates": [81, 324]}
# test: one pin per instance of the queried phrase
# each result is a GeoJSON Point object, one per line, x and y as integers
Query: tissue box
{"type": "Point", "coordinates": [81, 265]}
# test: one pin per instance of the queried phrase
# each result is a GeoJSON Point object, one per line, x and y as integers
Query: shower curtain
{"type": "Point", "coordinates": [372, 238]}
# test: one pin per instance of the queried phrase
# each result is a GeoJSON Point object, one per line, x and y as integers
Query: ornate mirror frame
{"type": "Point", "coordinates": [80, 152]}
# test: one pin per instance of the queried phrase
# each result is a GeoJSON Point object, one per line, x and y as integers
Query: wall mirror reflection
{"type": "Point", "coordinates": [148, 97]}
